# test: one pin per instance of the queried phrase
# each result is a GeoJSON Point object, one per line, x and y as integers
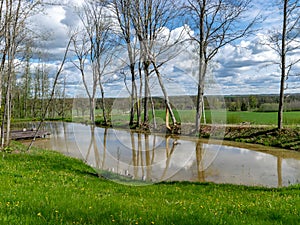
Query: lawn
{"type": "Point", "coordinates": [44, 187]}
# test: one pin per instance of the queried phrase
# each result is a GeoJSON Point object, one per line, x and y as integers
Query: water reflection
{"type": "Point", "coordinates": [158, 158]}
{"type": "Point", "coordinates": [199, 160]}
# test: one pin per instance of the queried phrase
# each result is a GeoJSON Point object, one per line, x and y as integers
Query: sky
{"type": "Point", "coordinates": [245, 67]}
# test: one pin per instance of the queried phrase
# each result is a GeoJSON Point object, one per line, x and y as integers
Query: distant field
{"type": "Point", "coordinates": [263, 118]}
{"type": "Point", "coordinates": [256, 118]}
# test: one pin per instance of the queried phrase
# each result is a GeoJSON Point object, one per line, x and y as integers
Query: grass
{"type": "Point", "coordinates": [255, 118]}
{"type": "Point", "coordinates": [44, 187]}
{"type": "Point", "coordinates": [263, 118]}
{"type": "Point", "coordinates": [188, 116]}
{"type": "Point", "coordinates": [287, 138]}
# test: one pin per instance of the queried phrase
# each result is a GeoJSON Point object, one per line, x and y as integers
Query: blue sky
{"type": "Point", "coordinates": [243, 68]}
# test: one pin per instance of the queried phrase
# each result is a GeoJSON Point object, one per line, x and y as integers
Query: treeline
{"type": "Point", "coordinates": [66, 108]}
{"type": "Point", "coordinates": [262, 103]}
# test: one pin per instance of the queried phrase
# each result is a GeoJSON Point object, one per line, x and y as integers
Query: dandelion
{"type": "Point", "coordinates": [40, 215]}
{"type": "Point", "coordinates": [152, 222]}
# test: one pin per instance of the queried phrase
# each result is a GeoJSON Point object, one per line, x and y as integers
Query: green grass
{"type": "Point", "coordinates": [188, 116]}
{"type": "Point", "coordinates": [255, 118]}
{"type": "Point", "coordinates": [44, 187]}
{"type": "Point", "coordinates": [287, 138]}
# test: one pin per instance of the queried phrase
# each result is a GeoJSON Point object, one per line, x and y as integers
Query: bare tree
{"type": "Point", "coordinates": [93, 48]}
{"type": "Point", "coordinates": [216, 23]}
{"type": "Point", "coordinates": [122, 10]}
{"type": "Point", "coordinates": [13, 17]}
{"type": "Point", "coordinates": [286, 42]}
{"type": "Point", "coordinates": [149, 19]}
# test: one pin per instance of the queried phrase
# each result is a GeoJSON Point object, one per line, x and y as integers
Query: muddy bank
{"type": "Point", "coordinates": [287, 138]}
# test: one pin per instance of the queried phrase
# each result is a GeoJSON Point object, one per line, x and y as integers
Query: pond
{"type": "Point", "coordinates": [157, 158]}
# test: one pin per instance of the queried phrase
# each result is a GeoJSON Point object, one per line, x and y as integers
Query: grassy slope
{"type": "Point", "coordinates": [43, 187]}
{"type": "Point", "coordinates": [288, 138]}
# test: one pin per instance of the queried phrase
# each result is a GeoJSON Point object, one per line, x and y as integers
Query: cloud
{"type": "Point", "coordinates": [243, 67]}
{"type": "Point", "coordinates": [249, 67]}
{"type": "Point", "coordinates": [53, 33]}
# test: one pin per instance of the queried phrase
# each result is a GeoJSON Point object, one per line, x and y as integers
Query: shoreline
{"type": "Point", "coordinates": [287, 138]}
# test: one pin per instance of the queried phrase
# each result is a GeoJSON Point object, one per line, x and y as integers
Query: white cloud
{"type": "Point", "coordinates": [242, 68]}
{"type": "Point", "coordinates": [48, 25]}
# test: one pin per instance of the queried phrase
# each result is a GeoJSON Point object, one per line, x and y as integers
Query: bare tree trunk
{"type": "Point", "coordinates": [64, 100]}
{"type": "Point", "coordinates": [8, 118]}
{"type": "Point", "coordinates": [134, 106]}
{"type": "Point", "coordinates": [167, 119]}
{"type": "Point", "coordinates": [92, 110]}
{"type": "Point", "coordinates": [139, 108]}
{"type": "Point", "coordinates": [283, 66]}
{"type": "Point", "coordinates": [202, 68]}
{"type": "Point", "coordinates": [7, 106]}
{"type": "Point", "coordinates": [152, 109]}
{"type": "Point", "coordinates": [167, 101]}
{"type": "Point", "coordinates": [146, 93]}
{"type": "Point", "coordinates": [200, 96]}
{"type": "Point", "coordinates": [103, 104]}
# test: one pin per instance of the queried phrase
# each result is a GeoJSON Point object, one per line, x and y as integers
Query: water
{"type": "Point", "coordinates": [159, 158]}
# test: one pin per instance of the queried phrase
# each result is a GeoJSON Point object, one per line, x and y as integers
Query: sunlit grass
{"type": "Point", "coordinates": [188, 116]}
{"type": "Point", "coordinates": [44, 187]}
{"type": "Point", "coordinates": [255, 118]}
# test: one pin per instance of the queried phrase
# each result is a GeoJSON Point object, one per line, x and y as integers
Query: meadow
{"type": "Point", "coordinates": [45, 187]}
{"type": "Point", "coordinates": [227, 117]}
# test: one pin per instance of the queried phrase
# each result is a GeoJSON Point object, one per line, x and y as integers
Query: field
{"type": "Point", "coordinates": [263, 118]}
{"type": "Point", "coordinates": [44, 187]}
{"type": "Point", "coordinates": [254, 118]}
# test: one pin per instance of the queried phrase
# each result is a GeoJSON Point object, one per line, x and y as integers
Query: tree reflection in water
{"type": "Point", "coordinates": [199, 160]}
{"type": "Point", "coordinates": [155, 158]}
